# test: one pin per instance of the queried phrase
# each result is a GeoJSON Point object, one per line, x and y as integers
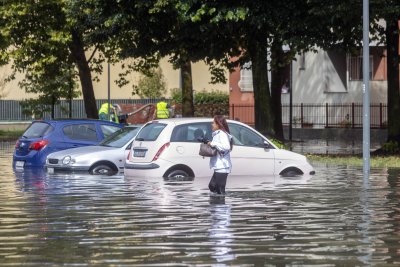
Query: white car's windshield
{"type": "Point", "coordinates": [120, 137]}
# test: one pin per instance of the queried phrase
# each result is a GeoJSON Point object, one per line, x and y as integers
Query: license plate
{"type": "Point", "coordinates": [50, 170]}
{"type": "Point", "coordinates": [19, 164]}
{"type": "Point", "coordinates": [139, 153]}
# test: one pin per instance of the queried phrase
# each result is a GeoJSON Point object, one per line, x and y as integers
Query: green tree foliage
{"type": "Point", "coordinates": [260, 28]}
{"type": "Point", "coordinates": [176, 95]}
{"type": "Point", "coordinates": [3, 91]}
{"type": "Point", "coordinates": [213, 97]}
{"type": "Point", "coordinates": [47, 40]}
{"type": "Point", "coordinates": [202, 97]}
{"type": "Point", "coordinates": [248, 27]}
{"type": "Point", "coordinates": [167, 30]}
{"type": "Point", "coordinates": [50, 88]}
{"type": "Point", "coordinates": [151, 85]}
{"type": "Point", "coordinates": [207, 103]}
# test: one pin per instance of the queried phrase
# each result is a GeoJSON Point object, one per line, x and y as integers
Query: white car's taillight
{"type": "Point", "coordinates": [160, 151]}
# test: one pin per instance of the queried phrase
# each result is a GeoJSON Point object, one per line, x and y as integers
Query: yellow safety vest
{"type": "Point", "coordinates": [162, 110]}
{"type": "Point", "coordinates": [104, 108]}
{"type": "Point", "coordinates": [113, 115]}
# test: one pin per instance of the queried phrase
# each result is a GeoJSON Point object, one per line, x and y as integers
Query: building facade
{"type": "Point", "coordinates": [322, 77]}
{"type": "Point", "coordinates": [200, 74]}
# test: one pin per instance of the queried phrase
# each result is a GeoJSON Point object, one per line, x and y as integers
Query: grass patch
{"type": "Point", "coordinates": [375, 161]}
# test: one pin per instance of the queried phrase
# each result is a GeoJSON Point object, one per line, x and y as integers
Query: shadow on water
{"type": "Point", "coordinates": [332, 218]}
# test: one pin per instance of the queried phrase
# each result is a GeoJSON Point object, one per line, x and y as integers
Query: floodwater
{"type": "Point", "coordinates": [334, 218]}
{"type": "Point", "coordinates": [329, 147]}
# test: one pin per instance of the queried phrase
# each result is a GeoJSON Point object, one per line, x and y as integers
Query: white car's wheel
{"type": "Point", "coordinates": [291, 172]}
{"type": "Point", "coordinates": [102, 169]}
{"type": "Point", "coordinates": [177, 174]}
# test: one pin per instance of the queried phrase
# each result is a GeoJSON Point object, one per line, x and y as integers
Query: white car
{"type": "Point", "coordinates": [106, 158]}
{"type": "Point", "coordinates": [170, 148]}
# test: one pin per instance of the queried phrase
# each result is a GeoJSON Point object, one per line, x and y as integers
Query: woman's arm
{"type": "Point", "coordinates": [221, 142]}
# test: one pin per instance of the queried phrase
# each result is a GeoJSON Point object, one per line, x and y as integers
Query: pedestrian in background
{"type": "Point", "coordinates": [163, 110]}
{"type": "Point", "coordinates": [103, 111]}
{"type": "Point", "coordinates": [221, 163]}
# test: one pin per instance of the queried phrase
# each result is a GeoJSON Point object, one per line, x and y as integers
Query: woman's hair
{"type": "Point", "coordinates": [223, 125]}
{"type": "Point", "coordinates": [221, 122]}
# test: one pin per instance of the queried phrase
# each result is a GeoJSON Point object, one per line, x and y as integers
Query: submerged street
{"type": "Point", "coordinates": [331, 218]}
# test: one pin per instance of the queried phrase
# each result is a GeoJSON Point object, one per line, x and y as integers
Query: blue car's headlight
{"type": "Point", "coordinates": [67, 160]}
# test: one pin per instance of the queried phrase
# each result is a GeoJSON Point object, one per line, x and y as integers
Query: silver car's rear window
{"type": "Point", "coordinates": [151, 131]}
{"type": "Point", "coordinates": [38, 129]}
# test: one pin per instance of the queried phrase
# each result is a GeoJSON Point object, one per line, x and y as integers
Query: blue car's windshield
{"type": "Point", "coordinates": [120, 137]}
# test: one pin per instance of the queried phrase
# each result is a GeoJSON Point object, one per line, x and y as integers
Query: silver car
{"type": "Point", "coordinates": [106, 158]}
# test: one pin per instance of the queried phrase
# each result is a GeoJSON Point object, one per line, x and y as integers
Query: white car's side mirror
{"type": "Point", "coordinates": [267, 145]}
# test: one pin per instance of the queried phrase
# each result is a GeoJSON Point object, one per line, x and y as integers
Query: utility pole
{"type": "Point", "coordinates": [366, 100]}
{"type": "Point", "coordinates": [108, 91]}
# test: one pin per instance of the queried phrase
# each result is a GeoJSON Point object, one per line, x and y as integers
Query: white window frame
{"type": "Point", "coordinates": [354, 66]}
{"type": "Point", "coordinates": [246, 78]}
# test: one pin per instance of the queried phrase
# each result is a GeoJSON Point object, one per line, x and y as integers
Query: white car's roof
{"type": "Point", "coordinates": [185, 120]}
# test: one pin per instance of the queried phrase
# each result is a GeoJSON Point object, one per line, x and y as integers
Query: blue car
{"type": "Point", "coordinates": [46, 136]}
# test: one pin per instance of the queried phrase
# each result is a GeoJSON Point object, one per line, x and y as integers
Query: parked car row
{"type": "Point", "coordinates": [160, 148]}
{"type": "Point", "coordinates": [106, 158]}
{"type": "Point", "coordinates": [43, 137]}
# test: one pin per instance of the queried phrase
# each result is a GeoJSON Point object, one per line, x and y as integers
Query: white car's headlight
{"type": "Point", "coordinates": [67, 160]}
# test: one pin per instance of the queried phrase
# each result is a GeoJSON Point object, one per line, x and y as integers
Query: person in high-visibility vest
{"type": "Point", "coordinates": [103, 111]}
{"type": "Point", "coordinates": [162, 110]}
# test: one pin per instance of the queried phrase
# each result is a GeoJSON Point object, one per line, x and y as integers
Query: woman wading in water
{"type": "Point", "coordinates": [220, 163]}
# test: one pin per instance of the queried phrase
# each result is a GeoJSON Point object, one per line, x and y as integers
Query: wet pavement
{"type": "Point", "coordinates": [335, 218]}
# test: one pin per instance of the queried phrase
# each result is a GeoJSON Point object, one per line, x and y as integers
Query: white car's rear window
{"type": "Point", "coordinates": [151, 131]}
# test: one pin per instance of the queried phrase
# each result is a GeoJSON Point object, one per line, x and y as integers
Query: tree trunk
{"type": "Point", "coordinates": [187, 90]}
{"type": "Point", "coordinates": [393, 94]}
{"type": "Point", "coordinates": [277, 80]}
{"type": "Point", "coordinates": [53, 104]}
{"type": "Point", "coordinates": [262, 99]}
{"type": "Point", "coordinates": [85, 76]}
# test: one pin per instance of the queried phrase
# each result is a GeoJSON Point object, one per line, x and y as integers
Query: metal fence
{"type": "Point", "coordinates": [303, 115]}
{"type": "Point", "coordinates": [320, 115]}
{"type": "Point", "coordinates": [11, 110]}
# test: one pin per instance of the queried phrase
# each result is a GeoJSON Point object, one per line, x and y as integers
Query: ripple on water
{"type": "Point", "coordinates": [332, 218]}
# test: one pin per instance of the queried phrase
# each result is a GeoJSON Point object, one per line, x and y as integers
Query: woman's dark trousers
{"type": "Point", "coordinates": [218, 183]}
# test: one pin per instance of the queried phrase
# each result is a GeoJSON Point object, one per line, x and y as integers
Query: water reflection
{"type": "Point", "coordinates": [220, 233]}
{"type": "Point", "coordinates": [332, 218]}
{"type": "Point", "coordinates": [365, 224]}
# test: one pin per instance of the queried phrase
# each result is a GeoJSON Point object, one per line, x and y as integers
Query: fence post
{"type": "Point", "coordinates": [301, 115]}
{"type": "Point", "coordinates": [326, 115]}
{"type": "Point", "coordinates": [352, 115]}
{"type": "Point", "coordinates": [380, 116]}
{"type": "Point", "coordinates": [233, 111]}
